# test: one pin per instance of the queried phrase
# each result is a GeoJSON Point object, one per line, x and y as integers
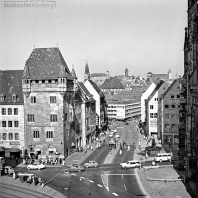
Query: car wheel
{"type": "Point", "coordinates": [125, 167]}
{"type": "Point", "coordinates": [160, 160]}
{"type": "Point", "coordinates": [95, 166]}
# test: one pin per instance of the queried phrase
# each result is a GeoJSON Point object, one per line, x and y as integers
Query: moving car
{"type": "Point", "coordinates": [35, 166]}
{"type": "Point", "coordinates": [91, 164]}
{"type": "Point", "coordinates": [74, 168]}
{"type": "Point", "coordinates": [160, 157]}
{"type": "Point", "coordinates": [131, 164]}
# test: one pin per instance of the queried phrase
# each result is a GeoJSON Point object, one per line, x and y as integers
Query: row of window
{"type": "Point", "coordinates": [153, 115]}
{"type": "Point", "coordinates": [52, 99]}
{"type": "Point", "coordinates": [172, 116]}
{"type": "Point", "coordinates": [9, 111]}
{"type": "Point", "coordinates": [9, 136]}
{"type": "Point", "coordinates": [168, 126]}
{"type": "Point", "coordinates": [53, 118]}
{"type": "Point", "coordinates": [166, 106]}
{"type": "Point", "coordinates": [10, 123]}
{"type": "Point", "coordinates": [36, 134]}
{"type": "Point", "coordinates": [175, 96]}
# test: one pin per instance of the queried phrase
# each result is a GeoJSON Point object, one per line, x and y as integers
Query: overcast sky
{"type": "Point", "coordinates": [142, 35]}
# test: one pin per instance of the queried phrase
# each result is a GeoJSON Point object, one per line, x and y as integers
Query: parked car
{"type": "Point", "coordinates": [160, 157]}
{"type": "Point", "coordinates": [8, 169]}
{"type": "Point", "coordinates": [35, 166]}
{"type": "Point", "coordinates": [74, 168]}
{"type": "Point", "coordinates": [131, 164]}
{"type": "Point", "coordinates": [91, 164]}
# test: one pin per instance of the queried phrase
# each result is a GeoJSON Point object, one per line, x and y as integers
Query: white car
{"type": "Point", "coordinates": [117, 135]}
{"type": "Point", "coordinates": [91, 164]}
{"type": "Point", "coordinates": [35, 166]}
{"type": "Point", "coordinates": [131, 164]}
{"type": "Point", "coordinates": [160, 157]}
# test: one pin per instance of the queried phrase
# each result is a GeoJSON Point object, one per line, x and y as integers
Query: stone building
{"type": "Point", "coordinates": [188, 132]}
{"type": "Point", "coordinates": [48, 89]}
{"type": "Point", "coordinates": [11, 114]}
{"type": "Point", "coordinates": [169, 114]}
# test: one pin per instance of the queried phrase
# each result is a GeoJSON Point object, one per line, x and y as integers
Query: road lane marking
{"type": "Point", "coordinates": [82, 177]}
{"type": "Point", "coordinates": [91, 181]}
{"type": "Point", "coordinates": [115, 194]}
{"type": "Point", "coordinates": [99, 185]}
{"type": "Point", "coordinates": [66, 188]}
{"type": "Point", "coordinates": [125, 187]}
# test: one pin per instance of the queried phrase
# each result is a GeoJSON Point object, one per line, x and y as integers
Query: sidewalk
{"type": "Point", "coordinates": [163, 182]}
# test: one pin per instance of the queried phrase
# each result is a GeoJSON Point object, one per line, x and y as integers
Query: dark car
{"type": "Point", "coordinates": [74, 168]}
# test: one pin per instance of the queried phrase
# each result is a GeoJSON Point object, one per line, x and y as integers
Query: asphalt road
{"type": "Point", "coordinates": [108, 180]}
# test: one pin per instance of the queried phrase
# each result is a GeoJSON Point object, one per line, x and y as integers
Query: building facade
{"type": "Point", "coordinates": [11, 114]}
{"type": "Point", "coordinates": [48, 89]}
{"type": "Point", "coordinates": [169, 114]}
{"type": "Point", "coordinates": [123, 110]}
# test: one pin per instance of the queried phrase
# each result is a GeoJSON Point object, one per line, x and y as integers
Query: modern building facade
{"type": "Point", "coordinates": [169, 114]}
{"type": "Point", "coordinates": [11, 114]}
{"type": "Point", "coordinates": [48, 89]}
{"type": "Point", "coordinates": [123, 110]}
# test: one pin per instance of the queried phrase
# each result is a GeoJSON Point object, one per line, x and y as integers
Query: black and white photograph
{"type": "Point", "coordinates": [99, 98]}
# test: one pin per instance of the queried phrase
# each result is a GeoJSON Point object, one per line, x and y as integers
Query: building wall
{"type": "Point", "coordinates": [170, 106]}
{"type": "Point", "coordinates": [42, 110]}
{"type": "Point", "coordinates": [145, 96]}
{"type": "Point", "coordinates": [11, 141]}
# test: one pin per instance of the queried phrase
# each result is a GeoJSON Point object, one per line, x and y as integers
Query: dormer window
{"type": "Point", "coordinates": [14, 97]}
{"type": "Point", "coordinates": [2, 98]}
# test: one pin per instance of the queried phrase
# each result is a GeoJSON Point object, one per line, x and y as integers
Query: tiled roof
{"type": "Point", "coordinates": [163, 95]}
{"type": "Point", "coordinates": [155, 90]}
{"type": "Point", "coordinates": [98, 75]}
{"type": "Point", "coordinates": [11, 83]}
{"type": "Point", "coordinates": [161, 76]}
{"type": "Point", "coordinates": [46, 63]}
{"type": "Point", "coordinates": [96, 88]}
{"type": "Point", "coordinates": [112, 83]}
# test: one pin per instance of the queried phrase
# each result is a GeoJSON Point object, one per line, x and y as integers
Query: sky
{"type": "Point", "coordinates": [141, 35]}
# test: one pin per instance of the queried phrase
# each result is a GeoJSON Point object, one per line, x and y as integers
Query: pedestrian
{"type": "Point", "coordinates": [40, 180]}
{"type": "Point", "coordinates": [16, 159]}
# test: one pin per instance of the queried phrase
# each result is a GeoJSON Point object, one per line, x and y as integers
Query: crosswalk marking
{"type": "Point", "coordinates": [115, 194]}
{"type": "Point", "coordinates": [91, 181]}
{"type": "Point", "coordinates": [99, 185]}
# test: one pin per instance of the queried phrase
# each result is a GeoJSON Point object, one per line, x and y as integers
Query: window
{"type": "Point", "coordinates": [16, 136]}
{"type": "Point", "coordinates": [36, 134]}
{"type": "Point", "coordinates": [155, 115]}
{"type": "Point", "coordinates": [9, 123]}
{"type": "Point", "coordinates": [173, 126]}
{"type": "Point", "coordinates": [53, 118]}
{"type": "Point", "coordinates": [4, 136]}
{"type": "Point", "coordinates": [166, 106]}
{"type": "Point", "coordinates": [172, 96]}
{"type": "Point", "coordinates": [52, 99]}
{"type": "Point", "coordinates": [151, 106]}
{"type": "Point", "coordinates": [3, 111]}
{"type": "Point", "coordinates": [173, 106]}
{"type": "Point", "coordinates": [10, 136]}
{"type": "Point", "coordinates": [33, 99]}
{"type": "Point", "coordinates": [151, 115]}
{"type": "Point", "coordinates": [178, 96]}
{"type": "Point", "coordinates": [15, 111]}
{"type": "Point", "coordinates": [49, 134]}
{"type": "Point", "coordinates": [173, 116]}
{"type": "Point", "coordinates": [14, 97]}
{"type": "Point", "coordinates": [178, 106]}
{"type": "Point", "coordinates": [16, 123]}
{"type": "Point", "coordinates": [30, 117]}
{"type": "Point", "coordinates": [3, 123]}
{"type": "Point", "coordinates": [9, 111]}
{"type": "Point", "coordinates": [87, 122]}
{"type": "Point", "coordinates": [156, 99]}
{"type": "Point", "coordinates": [1, 97]}
{"type": "Point", "coordinates": [166, 126]}
{"type": "Point", "coordinates": [86, 109]}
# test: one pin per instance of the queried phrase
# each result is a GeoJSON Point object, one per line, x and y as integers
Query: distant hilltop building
{"type": "Point", "coordinates": [166, 77]}
{"type": "Point", "coordinates": [99, 78]}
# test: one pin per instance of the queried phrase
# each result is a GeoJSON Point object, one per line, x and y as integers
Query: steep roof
{"type": "Point", "coordinates": [155, 90]}
{"type": "Point", "coordinates": [98, 75]}
{"type": "Point", "coordinates": [11, 83]}
{"type": "Point", "coordinates": [169, 88]}
{"type": "Point", "coordinates": [96, 88]}
{"type": "Point", "coordinates": [46, 63]}
{"type": "Point", "coordinates": [112, 83]}
{"type": "Point", "coordinates": [82, 86]}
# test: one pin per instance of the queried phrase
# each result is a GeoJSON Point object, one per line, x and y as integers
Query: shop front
{"type": "Point", "coordinates": [2, 151]}
{"type": "Point", "coordinates": [15, 152]}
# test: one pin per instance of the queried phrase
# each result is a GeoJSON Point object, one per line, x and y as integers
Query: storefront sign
{"type": "Point", "coordinates": [14, 143]}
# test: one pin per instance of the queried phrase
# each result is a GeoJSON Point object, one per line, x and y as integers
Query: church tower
{"type": "Point", "coordinates": [86, 74]}
{"type": "Point", "coordinates": [126, 73]}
